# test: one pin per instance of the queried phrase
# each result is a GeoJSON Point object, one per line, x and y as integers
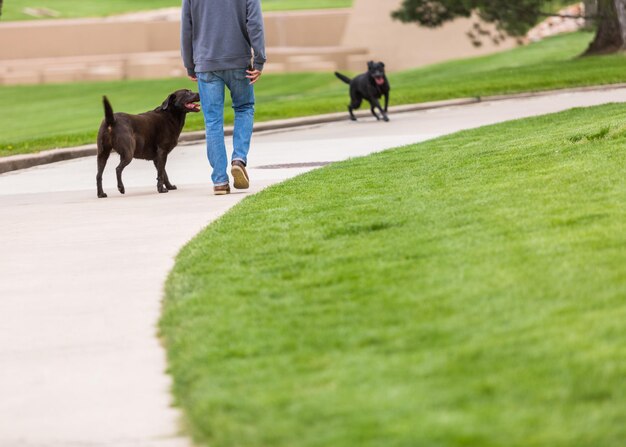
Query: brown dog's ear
{"type": "Point", "coordinates": [167, 102]}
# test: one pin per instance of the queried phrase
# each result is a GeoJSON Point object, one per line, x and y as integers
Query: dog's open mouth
{"type": "Point", "coordinates": [379, 80]}
{"type": "Point", "coordinates": [193, 106]}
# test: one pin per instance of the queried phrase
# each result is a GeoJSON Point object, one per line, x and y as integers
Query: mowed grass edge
{"type": "Point", "coordinates": [39, 117]}
{"type": "Point", "coordinates": [467, 291]}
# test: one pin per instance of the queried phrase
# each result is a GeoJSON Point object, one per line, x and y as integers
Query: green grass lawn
{"type": "Point", "coordinates": [467, 291]}
{"type": "Point", "coordinates": [39, 117]}
{"type": "Point", "coordinates": [13, 9]}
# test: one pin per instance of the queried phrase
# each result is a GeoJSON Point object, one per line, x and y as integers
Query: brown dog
{"type": "Point", "coordinates": [148, 136]}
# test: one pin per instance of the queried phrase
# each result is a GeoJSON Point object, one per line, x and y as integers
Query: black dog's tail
{"type": "Point", "coordinates": [108, 112]}
{"type": "Point", "coordinates": [344, 78]}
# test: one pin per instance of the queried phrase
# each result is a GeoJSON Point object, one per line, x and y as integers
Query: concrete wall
{"type": "Point", "coordinates": [65, 38]}
{"type": "Point", "coordinates": [143, 47]}
{"type": "Point", "coordinates": [403, 46]}
{"type": "Point", "coordinates": [306, 28]}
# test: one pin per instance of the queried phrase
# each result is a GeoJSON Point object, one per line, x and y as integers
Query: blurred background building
{"type": "Point", "coordinates": [146, 45]}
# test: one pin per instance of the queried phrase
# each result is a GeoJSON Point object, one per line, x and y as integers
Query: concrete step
{"type": "Point", "coordinates": [303, 63]}
{"type": "Point", "coordinates": [151, 65]}
{"type": "Point", "coordinates": [357, 62]}
{"type": "Point", "coordinates": [338, 54]}
{"type": "Point", "coordinates": [164, 64]}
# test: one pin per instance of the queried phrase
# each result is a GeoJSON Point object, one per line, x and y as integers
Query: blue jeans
{"type": "Point", "coordinates": [211, 85]}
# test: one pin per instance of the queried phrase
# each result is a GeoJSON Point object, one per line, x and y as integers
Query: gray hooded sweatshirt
{"type": "Point", "coordinates": [218, 35]}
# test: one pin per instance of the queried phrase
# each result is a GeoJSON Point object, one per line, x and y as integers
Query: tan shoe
{"type": "Point", "coordinates": [221, 190]}
{"type": "Point", "coordinates": [240, 175]}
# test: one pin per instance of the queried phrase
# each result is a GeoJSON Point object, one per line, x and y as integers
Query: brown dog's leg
{"type": "Point", "coordinates": [125, 160]}
{"type": "Point", "coordinates": [103, 156]}
{"type": "Point", "coordinates": [159, 163]}
{"type": "Point", "coordinates": [166, 180]}
{"type": "Point", "coordinates": [168, 185]}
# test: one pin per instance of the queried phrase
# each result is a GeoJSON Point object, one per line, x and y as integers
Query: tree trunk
{"type": "Point", "coordinates": [591, 10]}
{"type": "Point", "coordinates": [611, 34]}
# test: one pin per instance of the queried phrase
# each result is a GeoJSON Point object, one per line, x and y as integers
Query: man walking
{"type": "Point", "coordinates": [223, 45]}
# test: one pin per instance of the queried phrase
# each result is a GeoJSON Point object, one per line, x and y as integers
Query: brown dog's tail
{"type": "Point", "coordinates": [108, 112]}
{"type": "Point", "coordinates": [344, 78]}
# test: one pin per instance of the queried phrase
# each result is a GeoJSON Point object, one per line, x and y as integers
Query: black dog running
{"type": "Point", "coordinates": [371, 86]}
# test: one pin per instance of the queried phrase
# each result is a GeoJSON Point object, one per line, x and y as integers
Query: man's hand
{"type": "Point", "coordinates": [193, 78]}
{"type": "Point", "coordinates": [253, 75]}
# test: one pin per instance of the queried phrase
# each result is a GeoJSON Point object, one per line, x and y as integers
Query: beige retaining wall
{"type": "Point", "coordinates": [87, 37]}
{"type": "Point", "coordinates": [131, 47]}
{"type": "Point", "coordinates": [142, 47]}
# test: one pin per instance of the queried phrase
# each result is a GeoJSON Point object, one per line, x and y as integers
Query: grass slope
{"type": "Point", "coordinates": [13, 9]}
{"type": "Point", "coordinates": [468, 291]}
{"type": "Point", "coordinates": [66, 115]}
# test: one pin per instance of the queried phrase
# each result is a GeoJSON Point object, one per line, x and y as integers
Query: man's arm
{"type": "Point", "coordinates": [186, 39]}
{"type": "Point", "coordinates": [254, 25]}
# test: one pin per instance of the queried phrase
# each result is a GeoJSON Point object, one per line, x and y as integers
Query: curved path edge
{"type": "Point", "coordinates": [17, 162]}
{"type": "Point", "coordinates": [81, 278]}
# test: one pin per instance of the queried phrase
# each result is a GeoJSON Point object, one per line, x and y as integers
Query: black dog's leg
{"type": "Point", "coordinates": [352, 107]}
{"type": "Point", "coordinates": [351, 110]}
{"type": "Point", "coordinates": [386, 102]}
{"type": "Point", "coordinates": [166, 180]}
{"type": "Point", "coordinates": [373, 110]}
{"type": "Point", "coordinates": [125, 159]}
{"type": "Point", "coordinates": [103, 156]}
{"type": "Point", "coordinates": [160, 167]}
{"type": "Point", "coordinates": [355, 103]}
{"type": "Point", "coordinates": [376, 104]}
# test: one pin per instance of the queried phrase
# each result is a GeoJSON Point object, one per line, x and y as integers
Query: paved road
{"type": "Point", "coordinates": [81, 278]}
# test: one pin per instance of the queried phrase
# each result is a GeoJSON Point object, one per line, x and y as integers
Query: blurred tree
{"type": "Point", "coordinates": [591, 11]}
{"type": "Point", "coordinates": [611, 27]}
{"type": "Point", "coordinates": [516, 18]}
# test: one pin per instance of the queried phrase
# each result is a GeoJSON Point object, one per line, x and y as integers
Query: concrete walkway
{"type": "Point", "coordinates": [81, 278]}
